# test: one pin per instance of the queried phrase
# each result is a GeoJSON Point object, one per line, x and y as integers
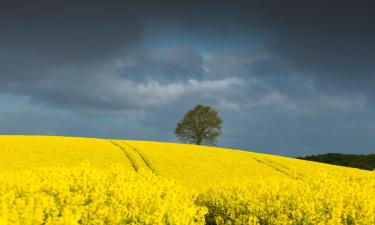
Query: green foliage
{"type": "Point", "coordinates": [366, 162]}
{"type": "Point", "coordinates": [200, 125]}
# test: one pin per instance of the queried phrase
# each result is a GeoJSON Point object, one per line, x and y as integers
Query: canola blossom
{"type": "Point", "coordinates": [43, 181]}
{"type": "Point", "coordinates": [28, 152]}
{"type": "Point", "coordinates": [321, 199]}
{"type": "Point", "coordinates": [88, 195]}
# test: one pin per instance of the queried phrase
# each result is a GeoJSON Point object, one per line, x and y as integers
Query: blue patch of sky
{"type": "Point", "coordinates": [154, 37]}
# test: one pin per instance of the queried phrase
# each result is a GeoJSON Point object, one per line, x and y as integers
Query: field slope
{"type": "Point", "coordinates": [194, 166]}
{"type": "Point", "coordinates": [66, 180]}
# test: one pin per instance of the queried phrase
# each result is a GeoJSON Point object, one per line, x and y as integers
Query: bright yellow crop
{"type": "Point", "coordinates": [320, 199]}
{"type": "Point", "coordinates": [236, 187]}
{"type": "Point", "coordinates": [87, 195]}
{"type": "Point", "coordinates": [200, 166]}
{"type": "Point", "coordinates": [20, 152]}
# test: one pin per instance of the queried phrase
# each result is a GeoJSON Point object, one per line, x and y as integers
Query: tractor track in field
{"type": "Point", "coordinates": [131, 158]}
{"type": "Point", "coordinates": [132, 162]}
{"type": "Point", "coordinates": [146, 162]}
{"type": "Point", "coordinates": [279, 168]}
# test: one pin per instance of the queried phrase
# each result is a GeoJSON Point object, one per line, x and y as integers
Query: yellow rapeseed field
{"type": "Point", "coordinates": [87, 195]}
{"type": "Point", "coordinates": [200, 166]}
{"type": "Point", "coordinates": [20, 152]}
{"type": "Point", "coordinates": [64, 180]}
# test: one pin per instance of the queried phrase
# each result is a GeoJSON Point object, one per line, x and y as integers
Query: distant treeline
{"type": "Point", "coordinates": [366, 162]}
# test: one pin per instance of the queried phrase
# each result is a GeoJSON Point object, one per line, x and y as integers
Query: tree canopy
{"type": "Point", "coordinates": [366, 162]}
{"type": "Point", "coordinates": [200, 125]}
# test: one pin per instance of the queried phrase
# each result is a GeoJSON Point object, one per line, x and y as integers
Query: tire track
{"type": "Point", "coordinates": [132, 161]}
{"type": "Point", "coordinates": [146, 162]}
{"type": "Point", "coordinates": [279, 168]}
{"type": "Point", "coordinates": [292, 173]}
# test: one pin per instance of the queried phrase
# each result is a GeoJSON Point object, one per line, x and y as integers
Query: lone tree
{"type": "Point", "coordinates": [200, 125]}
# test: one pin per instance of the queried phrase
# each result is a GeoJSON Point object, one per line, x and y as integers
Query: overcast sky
{"type": "Point", "coordinates": [287, 77]}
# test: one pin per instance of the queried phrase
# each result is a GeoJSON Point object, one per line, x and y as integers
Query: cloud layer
{"type": "Point", "coordinates": [288, 78]}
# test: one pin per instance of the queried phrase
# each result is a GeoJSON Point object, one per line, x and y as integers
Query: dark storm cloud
{"type": "Point", "coordinates": [41, 35]}
{"type": "Point", "coordinates": [331, 41]}
{"type": "Point", "coordinates": [171, 64]}
{"type": "Point", "coordinates": [288, 77]}
{"type": "Point", "coordinates": [51, 49]}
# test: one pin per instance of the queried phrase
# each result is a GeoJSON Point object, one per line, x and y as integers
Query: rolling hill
{"type": "Point", "coordinates": [194, 166]}
{"type": "Point", "coordinates": [70, 180]}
